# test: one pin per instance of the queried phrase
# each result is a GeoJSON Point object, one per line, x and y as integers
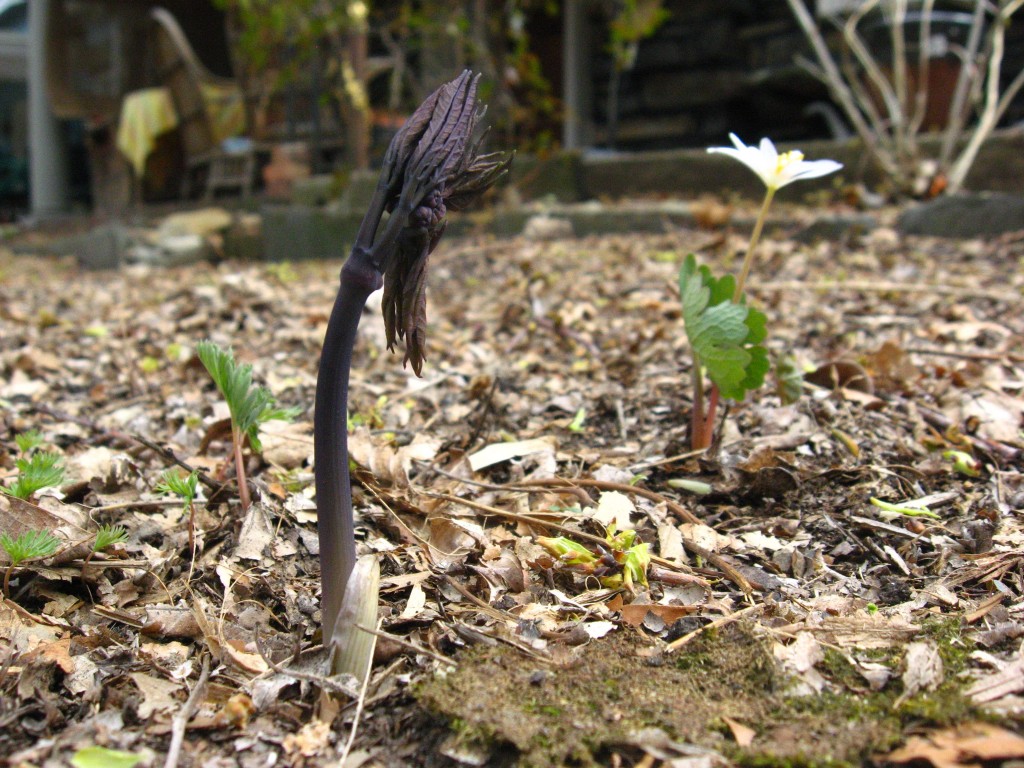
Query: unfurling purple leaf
{"type": "Point", "coordinates": [439, 169]}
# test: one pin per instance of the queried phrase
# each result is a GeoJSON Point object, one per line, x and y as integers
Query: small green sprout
{"type": "Point", "coordinates": [109, 535]}
{"type": "Point", "coordinates": [186, 488]}
{"type": "Point", "coordinates": [31, 545]}
{"type": "Point", "coordinates": [38, 471]}
{"type": "Point", "coordinates": [789, 379]}
{"type": "Point", "coordinates": [908, 510]}
{"type": "Point", "coordinates": [696, 487]}
{"type": "Point", "coordinates": [576, 425]}
{"type": "Point", "coordinates": [871, 608]}
{"type": "Point", "coordinates": [963, 463]}
{"type": "Point", "coordinates": [29, 441]}
{"type": "Point", "coordinates": [568, 551]}
{"type": "Point", "coordinates": [250, 405]}
{"type": "Point", "coordinates": [623, 564]}
{"type": "Point", "coordinates": [284, 272]}
{"type": "Point", "coordinates": [101, 757]}
{"type": "Point", "coordinates": [149, 364]}
{"type": "Point", "coordinates": [374, 418]}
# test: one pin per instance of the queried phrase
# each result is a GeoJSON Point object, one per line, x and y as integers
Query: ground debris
{"type": "Point", "coordinates": [783, 609]}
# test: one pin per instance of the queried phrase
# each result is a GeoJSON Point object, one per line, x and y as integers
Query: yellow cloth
{"type": "Point", "coordinates": [145, 115]}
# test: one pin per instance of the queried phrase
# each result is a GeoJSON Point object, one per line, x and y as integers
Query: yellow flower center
{"type": "Point", "coordinates": [787, 159]}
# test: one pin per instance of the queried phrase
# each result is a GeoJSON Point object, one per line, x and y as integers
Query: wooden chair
{"type": "Point", "coordinates": [190, 84]}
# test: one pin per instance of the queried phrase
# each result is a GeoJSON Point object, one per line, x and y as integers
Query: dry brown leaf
{"type": "Point", "coordinates": [923, 670]}
{"type": "Point", "coordinates": [743, 735]}
{"type": "Point", "coordinates": [312, 739]}
{"type": "Point", "coordinates": [499, 452]}
{"type": "Point", "coordinates": [635, 613]}
{"type": "Point", "coordinates": [157, 694]}
{"type": "Point", "coordinates": [257, 533]}
{"type": "Point", "coordinates": [287, 444]}
{"type": "Point", "coordinates": [994, 686]}
{"type": "Point", "coordinates": [966, 745]}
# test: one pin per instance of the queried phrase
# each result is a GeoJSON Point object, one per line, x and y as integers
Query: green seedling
{"type": "Point", "coordinates": [185, 488]}
{"type": "Point", "coordinates": [109, 535]}
{"type": "Point", "coordinates": [907, 510]}
{"type": "Point", "coordinates": [284, 272]}
{"type": "Point", "coordinates": [963, 463]}
{"type": "Point", "coordinates": [250, 405]}
{"type": "Point", "coordinates": [31, 545]}
{"type": "Point", "coordinates": [149, 364]}
{"type": "Point", "coordinates": [576, 425]}
{"type": "Point", "coordinates": [28, 441]}
{"type": "Point", "coordinates": [725, 339]}
{"type": "Point", "coordinates": [106, 537]}
{"type": "Point", "coordinates": [40, 470]}
{"type": "Point", "coordinates": [789, 379]}
{"type": "Point", "coordinates": [101, 757]}
{"type": "Point", "coordinates": [373, 418]}
{"type": "Point", "coordinates": [725, 334]}
{"type": "Point", "coordinates": [623, 563]}
{"type": "Point", "coordinates": [696, 487]}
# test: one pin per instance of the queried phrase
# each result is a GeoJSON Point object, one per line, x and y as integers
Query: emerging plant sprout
{"type": "Point", "coordinates": [725, 333]}
{"type": "Point", "coordinates": [431, 166]}
{"type": "Point", "coordinates": [250, 406]}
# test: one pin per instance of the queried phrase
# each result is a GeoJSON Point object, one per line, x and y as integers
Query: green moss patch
{"type": "Point", "coordinates": [604, 694]}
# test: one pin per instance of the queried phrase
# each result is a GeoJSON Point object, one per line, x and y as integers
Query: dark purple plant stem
{"type": "Point", "coordinates": [330, 436]}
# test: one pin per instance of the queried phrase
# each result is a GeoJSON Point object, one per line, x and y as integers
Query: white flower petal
{"type": "Point", "coordinates": [775, 170]}
{"type": "Point", "coordinates": [769, 152]}
{"type": "Point", "coordinates": [812, 169]}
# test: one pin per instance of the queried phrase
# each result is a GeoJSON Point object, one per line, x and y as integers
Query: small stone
{"type": "Point", "coordinates": [540, 228]}
{"type": "Point", "coordinates": [964, 216]}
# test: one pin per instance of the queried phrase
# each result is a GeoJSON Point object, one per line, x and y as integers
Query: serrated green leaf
{"type": "Point", "coordinates": [40, 470]}
{"type": "Point", "coordinates": [30, 545]}
{"type": "Point", "coordinates": [724, 335]}
{"type": "Point", "coordinates": [250, 405]}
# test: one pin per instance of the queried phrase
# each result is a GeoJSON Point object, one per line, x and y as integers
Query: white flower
{"type": "Point", "coordinates": [775, 170]}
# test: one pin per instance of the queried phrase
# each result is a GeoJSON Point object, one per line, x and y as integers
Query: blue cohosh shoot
{"type": "Point", "coordinates": [432, 165]}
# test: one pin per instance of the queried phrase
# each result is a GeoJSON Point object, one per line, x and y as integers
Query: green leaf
{"type": "Point", "coordinates": [108, 535]}
{"type": "Point", "coordinates": [725, 336]}
{"type": "Point", "coordinates": [250, 405]}
{"type": "Point", "coordinates": [101, 757]}
{"type": "Point", "coordinates": [567, 550]}
{"type": "Point", "coordinates": [38, 471]}
{"type": "Point", "coordinates": [576, 425]}
{"type": "Point", "coordinates": [29, 441]}
{"type": "Point", "coordinates": [908, 510]}
{"type": "Point", "coordinates": [31, 545]}
{"type": "Point", "coordinates": [185, 487]}
{"type": "Point", "coordinates": [789, 379]}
